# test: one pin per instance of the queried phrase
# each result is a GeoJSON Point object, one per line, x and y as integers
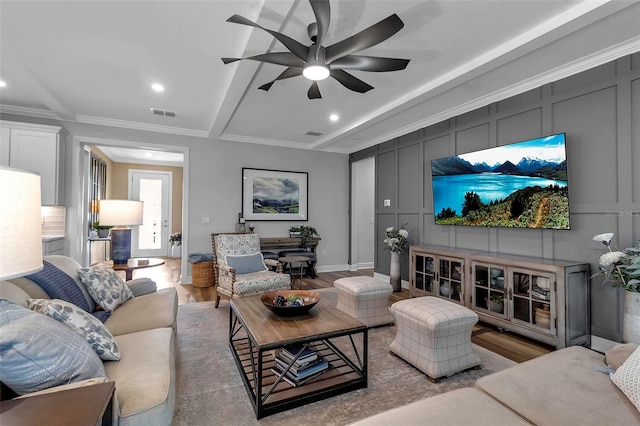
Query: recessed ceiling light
{"type": "Point", "coordinates": [148, 154]}
{"type": "Point", "coordinates": [3, 84]}
{"type": "Point", "coordinates": [334, 117]}
{"type": "Point", "coordinates": [157, 87]}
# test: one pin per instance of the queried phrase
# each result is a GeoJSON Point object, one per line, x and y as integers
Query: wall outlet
{"type": "Point", "coordinates": [205, 219]}
{"type": "Point", "coordinates": [387, 203]}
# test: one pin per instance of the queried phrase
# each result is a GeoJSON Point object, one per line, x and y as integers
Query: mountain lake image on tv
{"type": "Point", "coordinates": [520, 185]}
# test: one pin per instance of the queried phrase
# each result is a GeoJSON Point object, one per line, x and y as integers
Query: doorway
{"type": "Point", "coordinates": [362, 214]}
{"type": "Point", "coordinates": [151, 239]}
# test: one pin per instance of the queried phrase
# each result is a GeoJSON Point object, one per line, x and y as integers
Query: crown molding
{"type": "Point", "coordinates": [275, 142]}
{"type": "Point", "coordinates": [87, 119]}
{"type": "Point", "coordinates": [29, 112]}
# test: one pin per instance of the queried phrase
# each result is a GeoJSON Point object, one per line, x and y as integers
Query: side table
{"type": "Point", "coordinates": [295, 275]}
{"type": "Point", "coordinates": [87, 405]}
{"type": "Point", "coordinates": [134, 264]}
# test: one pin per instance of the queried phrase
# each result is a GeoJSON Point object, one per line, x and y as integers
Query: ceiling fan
{"type": "Point", "coordinates": [317, 62]}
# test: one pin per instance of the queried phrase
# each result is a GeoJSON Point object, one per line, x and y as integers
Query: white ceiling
{"type": "Point", "coordinates": [94, 62]}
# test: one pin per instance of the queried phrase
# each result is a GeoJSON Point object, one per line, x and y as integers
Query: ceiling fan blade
{"type": "Point", "coordinates": [322, 11]}
{"type": "Point", "coordinates": [350, 82]}
{"type": "Point", "coordinates": [288, 73]}
{"type": "Point", "coordinates": [366, 38]}
{"type": "Point", "coordinates": [314, 91]}
{"type": "Point", "coordinates": [279, 58]}
{"type": "Point", "coordinates": [369, 63]}
{"type": "Point", "coordinates": [297, 48]}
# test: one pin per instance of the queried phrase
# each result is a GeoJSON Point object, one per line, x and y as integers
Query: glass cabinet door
{"type": "Point", "coordinates": [450, 279]}
{"type": "Point", "coordinates": [533, 299]}
{"type": "Point", "coordinates": [489, 288]}
{"type": "Point", "coordinates": [425, 273]}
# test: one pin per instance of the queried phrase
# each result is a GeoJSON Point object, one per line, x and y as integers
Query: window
{"type": "Point", "coordinates": [98, 189]}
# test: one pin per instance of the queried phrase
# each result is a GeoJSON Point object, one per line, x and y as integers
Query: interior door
{"type": "Point", "coordinates": [151, 239]}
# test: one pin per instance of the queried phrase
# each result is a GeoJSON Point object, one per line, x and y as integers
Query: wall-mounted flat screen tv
{"type": "Point", "coordinates": [521, 185]}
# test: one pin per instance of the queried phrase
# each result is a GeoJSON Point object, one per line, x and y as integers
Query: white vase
{"type": "Point", "coordinates": [394, 272]}
{"type": "Point", "coordinates": [631, 319]}
{"type": "Point", "coordinates": [176, 250]}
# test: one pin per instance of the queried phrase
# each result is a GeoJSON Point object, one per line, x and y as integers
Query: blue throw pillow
{"type": "Point", "coordinates": [38, 352]}
{"type": "Point", "coordinates": [58, 285]}
{"type": "Point", "coordinates": [247, 264]}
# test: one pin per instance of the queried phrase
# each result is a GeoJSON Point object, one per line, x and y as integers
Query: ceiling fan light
{"type": "Point", "coordinates": [316, 72]}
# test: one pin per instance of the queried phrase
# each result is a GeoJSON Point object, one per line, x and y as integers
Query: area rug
{"type": "Point", "coordinates": [210, 391]}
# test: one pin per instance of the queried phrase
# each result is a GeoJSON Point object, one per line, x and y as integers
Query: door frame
{"type": "Point", "coordinates": [169, 175]}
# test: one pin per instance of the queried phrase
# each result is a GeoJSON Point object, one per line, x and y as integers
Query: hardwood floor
{"type": "Point", "coordinates": [507, 344]}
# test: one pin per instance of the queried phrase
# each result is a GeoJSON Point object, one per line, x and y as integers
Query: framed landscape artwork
{"type": "Point", "coordinates": [274, 195]}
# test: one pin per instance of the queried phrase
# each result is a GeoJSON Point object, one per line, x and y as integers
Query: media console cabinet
{"type": "Point", "coordinates": [546, 300]}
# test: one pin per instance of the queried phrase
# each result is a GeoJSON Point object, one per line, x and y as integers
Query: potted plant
{"type": "Point", "coordinates": [395, 241]}
{"type": "Point", "coordinates": [496, 302]}
{"type": "Point", "coordinates": [103, 231]}
{"type": "Point", "coordinates": [621, 268]}
{"type": "Point", "coordinates": [176, 244]}
{"type": "Point", "coordinates": [305, 233]}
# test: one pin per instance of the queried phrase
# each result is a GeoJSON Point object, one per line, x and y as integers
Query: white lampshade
{"type": "Point", "coordinates": [120, 212]}
{"type": "Point", "coordinates": [20, 223]}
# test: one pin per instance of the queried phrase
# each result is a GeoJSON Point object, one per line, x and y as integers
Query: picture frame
{"type": "Point", "coordinates": [274, 195]}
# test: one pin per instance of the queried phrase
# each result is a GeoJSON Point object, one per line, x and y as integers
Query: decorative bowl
{"type": "Point", "coordinates": [310, 299]}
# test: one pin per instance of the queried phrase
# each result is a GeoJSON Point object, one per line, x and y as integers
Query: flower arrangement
{"type": "Point", "coordinates": [176, 238]}
{"type": "Point", "coordinates": [620, 267]}
{"type": "Point", "coordinates": [396, 240]}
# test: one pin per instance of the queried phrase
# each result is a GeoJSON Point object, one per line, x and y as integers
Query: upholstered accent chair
{"type": "Point", "coordinates": [240, 268]}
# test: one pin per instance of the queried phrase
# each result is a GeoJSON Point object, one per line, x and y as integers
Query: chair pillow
{"type": "Point", "coordinates": [38, 352]}
{"type": "Point", "coordinates": [246, 264]}
{"type": "Point", "coordinates": [627, 378]}
{"type": "Point", "coordinates": [104, 286]}
{"type": "Point", "coordinates": [89, 327]}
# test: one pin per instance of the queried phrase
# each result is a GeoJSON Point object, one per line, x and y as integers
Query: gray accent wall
{"type": "Point", "coordinates": [599, 110]}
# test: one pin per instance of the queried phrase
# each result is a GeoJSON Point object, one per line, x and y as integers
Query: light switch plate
{"type": "Point", "coordinates": [387, 203]}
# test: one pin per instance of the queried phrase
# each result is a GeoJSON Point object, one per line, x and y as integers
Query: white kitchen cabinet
{"type": "Point", "coordinates": [51, 246]}
{"type": "Point", "coordinates": [38, 148]}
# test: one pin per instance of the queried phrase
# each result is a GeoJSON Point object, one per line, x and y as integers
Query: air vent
{"type": "Point", "coordinates": [163, 112]}
{"type": "Point", "coordinates": [312, 133]}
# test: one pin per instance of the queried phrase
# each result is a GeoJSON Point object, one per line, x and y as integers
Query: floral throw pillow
{"type": "Point", "coordinates": [104, 286]}
{"type": "Point", "coordinates": [627, 378]}
{"type": "Point", "coordinates": [96, 334]}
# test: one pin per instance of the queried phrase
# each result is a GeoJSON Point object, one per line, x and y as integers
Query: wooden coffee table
{"type": "Point", "coordinates": [255, 333]}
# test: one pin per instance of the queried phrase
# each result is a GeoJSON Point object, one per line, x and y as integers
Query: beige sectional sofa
{"type": "Point", "coordinates": [145, 330]}
{"type": "Point", "coordinates": [564, 388]}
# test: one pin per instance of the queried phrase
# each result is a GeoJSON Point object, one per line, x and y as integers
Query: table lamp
{"type": "Point", "coordinates": [20, 223]}
{"type": "Point", "coordinates": [121, 214]}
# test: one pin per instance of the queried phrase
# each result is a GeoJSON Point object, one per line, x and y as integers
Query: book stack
{"type": "Point", "coordinates": [540, 293]}
{"type": "Point", "coordinates": [308, 366]}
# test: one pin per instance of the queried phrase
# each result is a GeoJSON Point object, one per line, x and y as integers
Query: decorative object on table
{"type": "Point", "coordinates": [102, 230]}
{"type": "Point", "coordinates": [20, 223]}
{"type": "Point", "coordinates": [307, 366]}
{"type": "Point", "coordinates": [240, 226]}
{"type": "Point", "coordinates": [396, 240]}
{"type": "Point", "coordinates": [274, 195]}
{"type": "Point", "coordinates": [305, 233]}
{"type": "Point", "coordinates": [621, 268]}
{"type": "Point", "coordinates": [289, 303]}
{"type": "Point", "coordinates": [176, 244]}
{"type": "Point", "coordinates": [121, 214]}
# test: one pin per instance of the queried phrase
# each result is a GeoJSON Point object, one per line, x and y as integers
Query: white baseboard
{"type": "Point", "coordinates": [359, 266]}
{"type": "Point", "coordinates": [602, 345]}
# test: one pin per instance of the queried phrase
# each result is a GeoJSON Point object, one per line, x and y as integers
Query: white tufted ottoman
{"type": "Point", "coordinates": [365, 298]}
{"type": "Point", "coordinates": [434, 335]}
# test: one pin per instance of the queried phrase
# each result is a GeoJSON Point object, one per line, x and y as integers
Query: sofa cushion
{"type": "Point", "coordinates": [38, 352]}
{"type": "Point", "coordinates": [466, 406]}
{"type": "Point", "coordinates": [627, 378]}
{"type": "Point", "coordinates": [104, 286]}
{"type": "Point", "coordinates": [617, 355]}
{"type": "Point", "coordinates": [541, 389]}
{"type": "Point", "coordinates": [88, 326]}
{"type": "Point", "coordinates": [69, 266]}
{"type": "Point", "coordinates": [145, 377]}
{"type": "Point", "coordinates": [58, 285]}
{"type": "Point", "coordinates": [146, 312]}
{"type": "Point", "coordinates": [247, 263]}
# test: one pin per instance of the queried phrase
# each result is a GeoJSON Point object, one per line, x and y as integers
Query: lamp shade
{"type": "Point", "coordinates": [120, 212]}
{"type": "Point", "coordinates": [20, 223]}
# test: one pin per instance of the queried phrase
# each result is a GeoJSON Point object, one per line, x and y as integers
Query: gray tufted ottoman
{"type": "Point", "coordinates": [434, 335]}
{"type": "Point", "coordinates": [365, 298]}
